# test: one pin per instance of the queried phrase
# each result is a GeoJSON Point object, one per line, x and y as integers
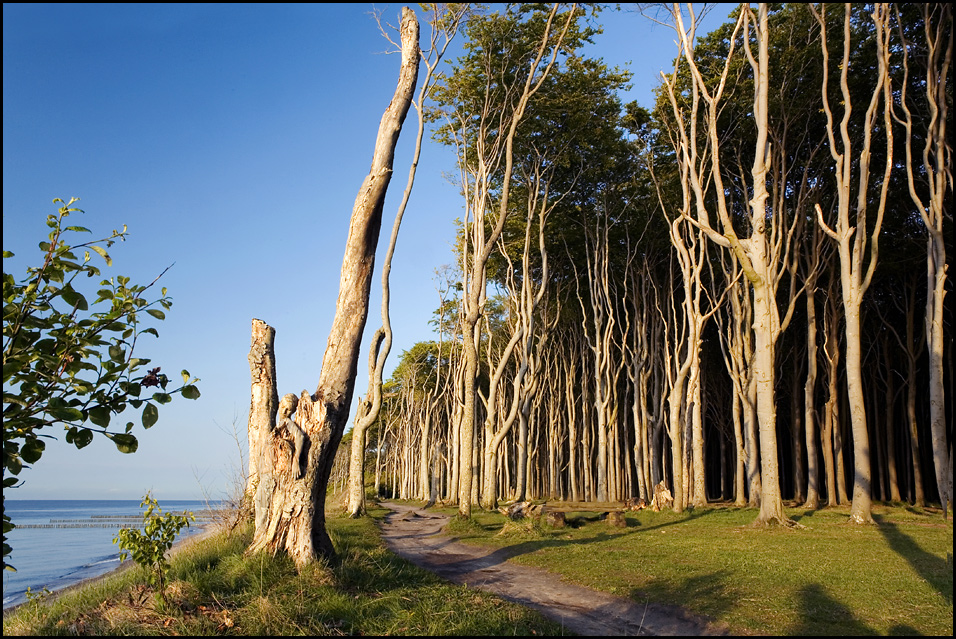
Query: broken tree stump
{"type": "Point", "coordinates": [522, 509]}
{"type": "Point", "coordinates": [555, 519]}
{"type": "Point", "coordinates": [615, 519]}
{"type": "Point", "coordinates": [662, 498]}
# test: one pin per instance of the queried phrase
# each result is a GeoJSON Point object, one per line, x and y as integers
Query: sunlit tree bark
{"type": "Point", "coordinates": [856, 239]}
{"type": "Point", "coordinates": [297, 518]}
{"type": "Point", "coordinates": [444, 26]}
{"type": "Point", "coordinates": [937, 157]}
{"type": "Point", "coordinates": [262, 419]}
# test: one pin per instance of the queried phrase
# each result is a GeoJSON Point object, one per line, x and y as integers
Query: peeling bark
{"type": "Point", "coordinates": [262, 418]}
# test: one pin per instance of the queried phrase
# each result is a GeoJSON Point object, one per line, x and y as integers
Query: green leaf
{"type": "Point", "coordinates": [116, 353]}
{"type": "Point", "coordinates": [125, 443]}
{"type": "Point", "coordinates": [190, 392]}
{"type": "Point", "coordinates": [162, 398]}
{"type": "Point", "coordinates": [12, 463]}
{"type": "Point", "coordinates": [103, 254]}
{"type": "Point", "coordinates": [100, 415]}
{"type": "Point", "coordinates": [155, 312]}
{"type": "Point", "coordinates": [66, 414]}
{"type": "Point", "coordinates": [82, 438]}
{"type": "Point", "coordinates": [45, 345]}
{"type": "Point", "coordinates": [32, 450]}
{"type": "Point", "coordinates": [73, 298]}
{"type": "Point", "coordinates": [150, 415]}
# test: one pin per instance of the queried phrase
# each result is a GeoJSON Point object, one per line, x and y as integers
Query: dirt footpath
{"type": "Point", "coordinates": [415, 534]}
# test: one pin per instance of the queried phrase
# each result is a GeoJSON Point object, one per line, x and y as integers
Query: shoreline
{"type": "Point", "coordinates": [203, 531]}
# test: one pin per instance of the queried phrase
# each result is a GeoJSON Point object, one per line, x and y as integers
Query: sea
{"type": "Point", "coordinates": [58, 543]}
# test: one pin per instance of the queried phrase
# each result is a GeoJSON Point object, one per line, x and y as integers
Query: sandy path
{"type": "Point", "coordinates": [415, 534]}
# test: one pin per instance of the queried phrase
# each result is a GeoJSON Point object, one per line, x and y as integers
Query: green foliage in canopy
{"type": "Point", "coordinates": [801, 156]}
{"type": "Point", "coordinates": [577, 147]}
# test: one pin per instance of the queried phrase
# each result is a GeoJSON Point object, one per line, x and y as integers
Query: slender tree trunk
{"type": "Point", "coordinates": [809, 406]}
{"type": "Point", "coordinates": [854, 245]}
{"type": "Point", "coordinates": [574, 438]}
{"type": "Point", "coordinates": [890, 430]}
{"type": "Point", "coordinates": [467, 428]}
{"type": "Point", "coordinates": [862, 471]}
{"type": "Point", "coordinates": [797, 413]}
{"type": "Point", "coordinates": [771, 502]}
{"type": "Point", "coordinates": [937, 160]}
{"type": "Point", "coordinates": [299, 527]}
{"type": "Point", "coordinates": [911, 350]}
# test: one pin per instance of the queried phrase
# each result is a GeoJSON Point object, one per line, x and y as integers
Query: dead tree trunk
{"type": "Point", "coordinates": [262, 418]}
{"type": "Point", "coordinates": [299, 527]}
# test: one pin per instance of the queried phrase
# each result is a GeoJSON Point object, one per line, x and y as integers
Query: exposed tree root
{"type": "Point", "coordinates": [782, 522]}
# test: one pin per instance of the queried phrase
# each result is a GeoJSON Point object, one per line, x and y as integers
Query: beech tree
{"type": "Point", "coordinates": [485, 102]}
{"type": "Point", "coordinates": [296, 521]}
{"type": "Point", "coordinates": [930, 201]}
{"type": "Point", "coordinates": [445, 22]}
{"type": "Point", "coordinates": [857, 241]}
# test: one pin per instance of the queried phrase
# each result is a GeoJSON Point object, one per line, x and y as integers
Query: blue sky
{"type": "Point", "coordinates": [231, 140]}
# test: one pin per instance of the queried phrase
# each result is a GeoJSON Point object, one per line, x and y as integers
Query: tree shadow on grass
{"type": "Point", "coordinates": [821, 614]}
{"type": "Point", "coordinates": [938, 572]}
{"type": "Point", "coordinates": [711, 588]}
{"type": "Point", "coordinates": [634, 526]}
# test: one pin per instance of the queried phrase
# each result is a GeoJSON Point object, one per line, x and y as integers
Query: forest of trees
{"type": "Point", "coordinates": [737, 291]}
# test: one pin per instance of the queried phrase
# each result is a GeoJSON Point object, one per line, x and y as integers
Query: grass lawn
{"type": "Point", "coordinates": [830, 577]}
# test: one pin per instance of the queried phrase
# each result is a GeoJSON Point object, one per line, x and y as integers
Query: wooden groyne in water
{"type": "Point", "coordinates": [114, 521]}
{"type": "Point", "coordinates": [84, 525]}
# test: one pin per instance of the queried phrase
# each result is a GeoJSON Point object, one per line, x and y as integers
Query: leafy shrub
{"type": "Point", "coordinates": [148, 548]}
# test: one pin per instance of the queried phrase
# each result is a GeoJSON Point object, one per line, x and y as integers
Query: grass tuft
{"type": "Point", "coordinates": [523, 529]}
{"type": "Point", "coordinates": [462, 527]}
